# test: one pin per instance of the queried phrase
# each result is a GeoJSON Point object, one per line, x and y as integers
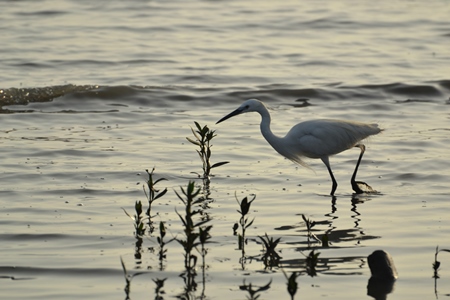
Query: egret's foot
{"type": "Point", "coordinates": [361, 187]}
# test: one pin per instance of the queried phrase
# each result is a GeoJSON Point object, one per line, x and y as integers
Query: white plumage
{"type": "Point", "coordinates": [312, 139]}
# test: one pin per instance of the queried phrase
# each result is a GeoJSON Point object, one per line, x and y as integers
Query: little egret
{"type": "Point", "coordinates": [313, 139]}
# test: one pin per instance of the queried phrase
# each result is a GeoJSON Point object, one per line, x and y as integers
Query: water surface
{"type": "Point", "coordinates": [93, 94]}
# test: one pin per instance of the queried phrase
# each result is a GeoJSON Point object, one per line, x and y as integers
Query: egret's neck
{"type": "Point", "coordinates": [266, 132]}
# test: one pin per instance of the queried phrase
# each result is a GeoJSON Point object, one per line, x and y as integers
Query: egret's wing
{"type": "Point", "coordinates": [320, 138]}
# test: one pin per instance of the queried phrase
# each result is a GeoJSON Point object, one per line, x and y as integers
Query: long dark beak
{"type": "Point", "coordinates": [232, 114]}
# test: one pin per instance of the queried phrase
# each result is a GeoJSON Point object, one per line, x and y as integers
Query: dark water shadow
{"type": "Point", "coordinates": [379, 289]}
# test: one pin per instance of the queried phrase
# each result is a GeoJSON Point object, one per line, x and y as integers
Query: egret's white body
{"type": "Point", "coordinates": [312, 139]}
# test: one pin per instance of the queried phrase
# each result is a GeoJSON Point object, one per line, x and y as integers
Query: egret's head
{"type": "Point", "coordinates": [248, 106]}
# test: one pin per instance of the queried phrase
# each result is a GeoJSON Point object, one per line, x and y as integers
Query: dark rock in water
{"type": "Point", "coordinates": [382, 265]}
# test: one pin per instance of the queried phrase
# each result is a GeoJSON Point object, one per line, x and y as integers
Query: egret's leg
{"type": "Point", "coordinates": [326, 161]}
{"type": "Point", "coordinates": [352, 181]}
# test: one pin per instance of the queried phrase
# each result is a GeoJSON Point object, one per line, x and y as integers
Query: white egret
{"type": "Point", "coordinates": [313, 139]}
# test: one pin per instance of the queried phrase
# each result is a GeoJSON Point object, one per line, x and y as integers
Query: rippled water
{"type": "Point", "coordinates": [95, 93]}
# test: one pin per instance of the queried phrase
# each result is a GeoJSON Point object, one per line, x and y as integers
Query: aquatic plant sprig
{"type": "Point", "coordinates": [203, 137]}
{"type": "Point", "coordinates": [152, 195]}
{"type": "Point", "coordinates": [138, 220]}
{"type": "Point", "coordinates": [195, 234]}
{"type": "Point", "coordinates": [436, 263]}
{"type": "Point", "coordinates": [189, 199]}
{"type": "Point", "coordinates": [139, 229]}
{"type": "Point", "coordinates": [270, 257]}
{"type": "Point", "coordinates": [244, 221]}
{"type": "Point", "coordinates": [160, 239]}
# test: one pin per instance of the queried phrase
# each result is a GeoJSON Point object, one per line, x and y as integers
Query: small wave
{"type": "Point", "coordinates": [44, 13]}
{"type": "Point", "coordinates": [171, 96]}
{"type": "Point", "coordinates": [414, 90]}
{"type": "Point", "coordinates": [431, 90]}
{"type": "Point", "coordinates": [28, 273]}
{"type": "Point", "coordinates": [24, 96]}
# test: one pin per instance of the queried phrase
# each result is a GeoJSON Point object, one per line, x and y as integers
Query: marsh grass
{"type": "Point", "coordinates": [143, 221]}
{"type": "Point", "coordinates": [244, 220]}
{"type": "Point", "coordinates": [244, 223]}
{"type": "Point", "coordinates": [197, 232]}
{"type": "Point", "coordinates": [139, 229]}
{"type": "Point", "coordinates": [195, 235]}
{"type": "Point", "coordinates": [138, 220]}
{"type": "Point", "coordinates": [152, 195]}
{"type": "Point", "coordinates": [191, 240]}
{"type": "Point", "coordinates": [202, 138]}
{"type": "Point", "coordinates": [162, 253]}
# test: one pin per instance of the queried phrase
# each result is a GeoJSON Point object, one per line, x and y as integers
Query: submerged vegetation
{"type": "Point", "coordinates": [196, 223]}
{"type": "Point", "coordinates": [196, 228]}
